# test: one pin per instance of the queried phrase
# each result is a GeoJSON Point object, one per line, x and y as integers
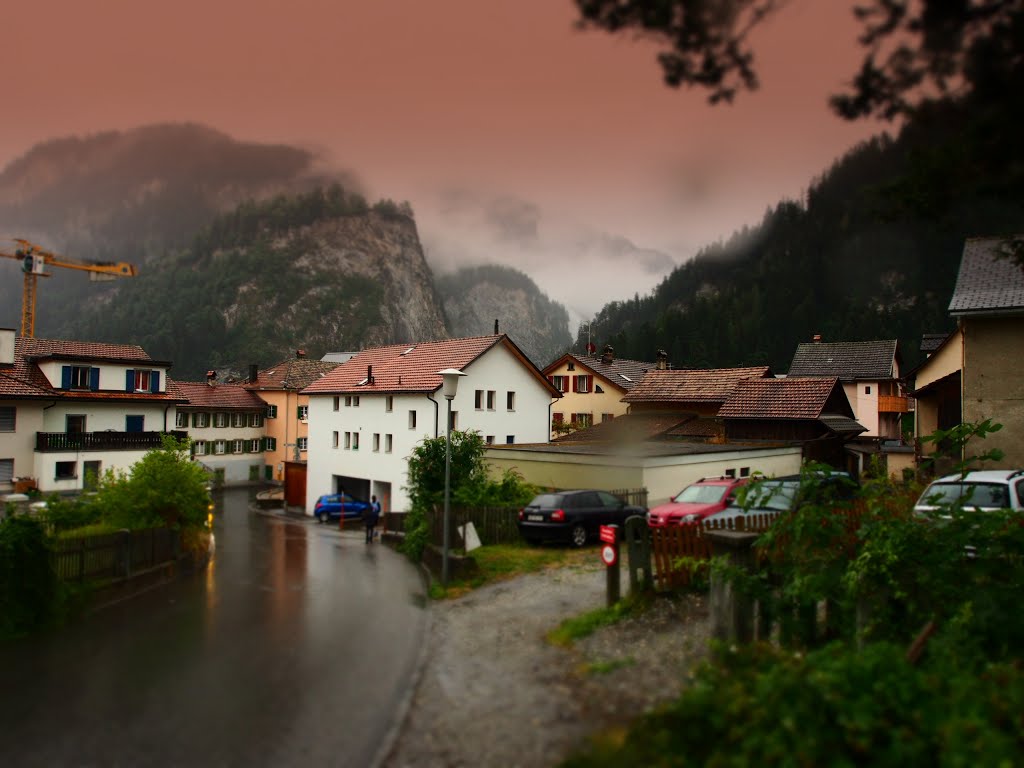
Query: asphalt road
{"type": "Point", "coordinates": [297, 646]}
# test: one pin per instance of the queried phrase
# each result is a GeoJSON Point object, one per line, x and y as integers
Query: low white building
{"type": "Point", "coordinates": [367, 415]}
{"type": "Point", "coordinates": [72, 409]}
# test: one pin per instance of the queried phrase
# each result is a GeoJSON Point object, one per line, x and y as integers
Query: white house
{"type": "Point", "coordinates": [69, 408]}
{"type": "Point", "coordinates": [366, 416]}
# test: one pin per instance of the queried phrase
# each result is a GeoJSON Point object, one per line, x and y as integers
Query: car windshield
{"type": "Point", "coordinates": [772, 495]}
{"type": "Point", "coordinates": [970, 494]}
{"type": "Point", "coordinates": [701, 494]}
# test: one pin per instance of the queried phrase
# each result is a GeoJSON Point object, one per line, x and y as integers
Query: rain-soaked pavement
{"type": "Point", "coordinates": [296, 646]}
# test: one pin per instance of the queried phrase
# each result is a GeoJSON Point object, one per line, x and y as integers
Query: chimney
{"type": "Point", "coordinates": [495, 326]}
{"type": "Point", "coordinates": [211, 376]}
{"type": "Point", "coordinates": [6, 346]}
{"type": "Point", "coordinates": [607, 354]}
{"type": "Point", "coordinates": [300, 353]}
{"type": "Point", "coordinates": [661, 360]}
{"type": "Point", "coordinates": [253, 372]}
{"type": "Point", "coordinates": [816, 338]}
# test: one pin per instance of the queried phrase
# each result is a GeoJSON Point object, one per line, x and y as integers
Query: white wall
{"type": "Point", "coordinates": [45, 468]}
{"type": "Point", "coordinates": [20, 445]}
{"type": "Point", "coordinates": [865, 406]}
{"type": "Point", "coordinates": [100, 417]}
{"type": "Point", "coordinates": [112, 377]}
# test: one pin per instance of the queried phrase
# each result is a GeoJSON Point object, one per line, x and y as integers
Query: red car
{"type": "Point", "coordinates": [695, 502]}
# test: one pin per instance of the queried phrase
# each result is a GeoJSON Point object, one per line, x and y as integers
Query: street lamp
{"type": "Point", "coordinates": [449, 387]}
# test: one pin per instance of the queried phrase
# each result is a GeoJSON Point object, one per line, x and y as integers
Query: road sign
{"type": "Point", "coordinates": [609, 533]}
{"type": "Point", "coordinates": [609, 555]}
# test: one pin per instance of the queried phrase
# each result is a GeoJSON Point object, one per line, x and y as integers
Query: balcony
{"type": "Point", "coordinates": [893, 404]}
{"type": "Point", "coordinates": [53, 442]}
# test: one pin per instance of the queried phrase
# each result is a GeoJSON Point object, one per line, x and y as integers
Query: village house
{"type": "Point", "coordinates": [592, 388]}
{"type": "Point", "coordinates": [973, 374]}
{"type": "Point", "coordinates": [69, 410]}
{"type": "Point", "coordinates": [367, 415]}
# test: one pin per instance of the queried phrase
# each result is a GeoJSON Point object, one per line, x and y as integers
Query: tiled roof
{"type": "Point", "coordinates": [624, 374]}
{"type": "Point", "coordinates": [843, 424]}
{"type": "Point", "coordinates": [412, 367]}
{"type": "Point", "coordinates": [294, 373]}
{"type": "Point", "coordinates": [790, 398]}
{"type": "Point", "coordinates": [932, 341]}
{"type": "Point", "coordinates": [43, 348]}
{"type": "Point", "coordinates": [987, 283]}
{"type": "Point", "coordinates": [711, 385]}
{"type": "Point", "coordinates": [631, 426]}
{"type": "Point", "coordinates": [14, 384]}
{"type": "Point", "coordinates": [848, 360]}
{"type": "Point", "coordinates": [223, 396]}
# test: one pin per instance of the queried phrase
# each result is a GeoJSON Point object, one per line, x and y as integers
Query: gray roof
{"type": "Point", "coordinates": [849, 360]}
{"type": "Point", "coordinates": [625, 374]}
{"type": "Point", "coordinates": [841, 424]}
{"type": "Point", "coordinates": [987, 283]}
{"type": "Point", "coordinates": [932, 341]}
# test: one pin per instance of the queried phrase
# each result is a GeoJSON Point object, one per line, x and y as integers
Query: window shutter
{"type": "Point", "coordinates": [154, 381]}
{"type": "Point", "coordinates": [129, 380]}
{"type": "Point", "coordinates": [575, 383]}
{"type": "Point", "coordinates": [94, 379]}
{"type": "Point", "coordinates": [65, 377]}
{"type": "Point", "coordinates": [298, 412]}
{"type": "Point", "coordinates": [551, 379]}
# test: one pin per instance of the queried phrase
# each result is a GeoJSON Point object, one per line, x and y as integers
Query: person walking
{"type": "Point", "coordinates": [371, 518]}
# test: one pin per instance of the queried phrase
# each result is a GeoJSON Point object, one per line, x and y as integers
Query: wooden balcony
{"type": "Point", "coordinates": [893, 404]}
{"type": "Point", "coordinates": [53, 442]}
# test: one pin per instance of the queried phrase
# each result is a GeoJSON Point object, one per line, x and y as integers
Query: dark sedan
{"type": "Point", "coordinates": [573, 516]}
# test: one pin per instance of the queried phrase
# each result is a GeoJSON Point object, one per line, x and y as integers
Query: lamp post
{"type": "Point", "coordinates": [449, 387]}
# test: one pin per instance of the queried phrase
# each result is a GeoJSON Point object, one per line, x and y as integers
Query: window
{"type": "Point", "coordinates": [348, 441]}
{"type": "Point", "coordinates": [334, 439]}
{"type": "Point", "coordinates": [387, 443]}
{"type": "Point", "coordinates": [355, 401]}
{"type": "Point", "coordinates": [181, 420]}
{"type": "Point", "coordinates": [200, 420]}
{"type": "Point", "coordinates": [598, 390]}
{"type": "Point", "coordinates": [489, 440]}
{"type": "Point", "coordinates": [134, 422]}
{"type": "Point", "coordinates": [270, 443]}
{"type": "Point", "coordinates": [744, 471]}
{"type": "Point", "coordinates": [510, 401]}
{"type": "Point", "coordinates": [571, 366]}
{"type": "Point", "coordinates": [238, 420]}
{"type": "Point", "coordinates": [490, 399]}
{"type": "Point", "coordinates": [389, 403]}
{"type": "Point", "coordinates": [6, 470]}
{"type": "Point", "coordinates": [376, 442]}
{"type": "Point", "coordinates": [79, 377]}
{"type": "Point", "coordinates": [199, 448]}
{"type": "Point", "coordinates": [255, 419]}
{"type": "Point", "coordinates": [141, 381]}
{"type": "Point", "coordinates": [730, 473]}
{"type": "Point", "coordinates": [867, 390]}
{"type": "Point", "coordinates": [220, 420]}
{"type": "Point", "coordinates": [355, 441]}
{"type": "Point", "coordinates": [219, 447]}
{"type": "Point", "coordinates": [561, 383]}
{"type": "Point", "coordinates": [478, 400]}
{"type": "Point", "coordinates": [348, 402]}
{"type": "Point", "coordinates": [238, 446]}
{"type": "Point", "coordinates": [510, 439]}
{"type": "Point", "coordinates": [582, 383]}
{"type": "Point", "coordinates": [412, 419]}
{"type": "Point", "coordinates": [66, 470]}
{"type": "Point", "coordinates": [582, 420]}
{"type": "Point", "coordinates": [303, 443]}
{"type": "Point", "coordinates": [271, 411]}
{"type": "Point", "coordinates": [607, 416]}
{"type": "Point", "coordinates": [8, 418]}
{"type": "Point", "coordinates": [337, 401]}
{"type": "Point", "coordinates": [74, 423]}
{"type": "Point", "coordinates": [303, 412]}
{"type": "Point", "coordinates": [253, 446]}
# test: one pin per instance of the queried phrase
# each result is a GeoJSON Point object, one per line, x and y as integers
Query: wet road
{"type": "Point", "coordinates": [295, 647]}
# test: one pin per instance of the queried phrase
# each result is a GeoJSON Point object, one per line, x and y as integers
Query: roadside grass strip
{"type": "Point", "coordinates": [499, 562]}
{"type": "Point", "coordinates": [586, 624]}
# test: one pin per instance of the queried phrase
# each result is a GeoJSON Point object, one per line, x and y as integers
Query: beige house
{"type": "Point", "coordinates": [592, 388]}
{"type": "Point", "coordinates": [988, 304]}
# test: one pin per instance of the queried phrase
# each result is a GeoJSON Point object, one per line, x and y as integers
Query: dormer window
{"type": "Point", "coordinates": [138, 380]}
{"type": "Point", "coordinates": [79, 377]}
{"type": "Point", "coordinates": [142, 381]}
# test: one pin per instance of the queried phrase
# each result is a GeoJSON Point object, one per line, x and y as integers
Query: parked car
{"type": "Point", "coordinates": [332, 505]}
{"type": "Point", "coordinates": [784, 494]}
{"type": "Point", "coordinates": [695, 502]}
{"type": "Point", "coordinates": [572, 516]}
{"type": "Point", "coordinates": [982, 490]}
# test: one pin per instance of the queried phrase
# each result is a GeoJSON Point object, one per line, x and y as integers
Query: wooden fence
{"type": "Point", "coordinates": [494, 525]}
{"type": "Point", "coordinates": [114, 555]}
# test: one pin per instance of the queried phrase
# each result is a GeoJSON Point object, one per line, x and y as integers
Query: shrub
{"type": "Point", "coordinates": [29, 591]}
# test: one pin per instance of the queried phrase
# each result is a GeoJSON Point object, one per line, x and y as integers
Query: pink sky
{"type": "Point", "coordinates": [466, 108]}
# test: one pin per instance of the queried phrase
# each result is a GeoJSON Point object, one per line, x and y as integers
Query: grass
{"type": "Point", "coordinates": [586, 624]}
{"type": "Point", "coordinates": [609, 665]}
{"type": "Point", "coordinates": [505, 561]}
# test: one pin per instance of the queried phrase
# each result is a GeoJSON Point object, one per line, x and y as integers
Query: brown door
{"type": "Point", "coordinates": [295, 484]}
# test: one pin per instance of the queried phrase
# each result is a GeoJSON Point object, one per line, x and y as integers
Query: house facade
{"type": "Point", "coordinates": [592, 388]}
{"type": "Point", "coordinates": [72, 410]}
{"type": "Point", "coordinates": [226, 425]}
{"type": "Point", "coordinates": [367, 415]}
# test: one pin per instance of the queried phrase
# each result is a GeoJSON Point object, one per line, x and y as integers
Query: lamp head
{"type": "Point", "coordinates": [450, 385]}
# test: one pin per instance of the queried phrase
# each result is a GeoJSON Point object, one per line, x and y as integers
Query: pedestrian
{"type": "Point", "coordinates": [371, 516]}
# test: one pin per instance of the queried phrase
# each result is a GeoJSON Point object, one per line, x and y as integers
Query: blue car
{"type": "Point", "coordinates": [331, 505]}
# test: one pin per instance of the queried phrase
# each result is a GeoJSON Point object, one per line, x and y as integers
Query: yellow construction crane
{"type": "Point", "coordinates": [34, 261]}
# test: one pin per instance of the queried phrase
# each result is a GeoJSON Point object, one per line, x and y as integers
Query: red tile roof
{"type": "Point", "coordinates": [220, 396]}
{"type": "Point", "coordinates": [43, 348]}
{"type": "Point", "coordinates": [790, 398]}
{"type": "Point", "coordinates": [710, 385]}
{"type": "Point", "coordinates": [412, 367]}
{"type": "Point", "coordinates": [293, 374]}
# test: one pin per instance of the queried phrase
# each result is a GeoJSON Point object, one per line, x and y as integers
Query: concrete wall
{"type": "Point", "coordinates": [993, 384]}
{"type": "Point", "coordinates": [20, 444]}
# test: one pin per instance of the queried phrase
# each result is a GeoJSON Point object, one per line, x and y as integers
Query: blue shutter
{"type": "Point", "coordinates": [129, 380]}
{"type": "Point", "coordinates": [154, 381]}
{"type": "Point", "coordinates": [94, 379]}
{"type": "Point", "coordinates": [65, 377]}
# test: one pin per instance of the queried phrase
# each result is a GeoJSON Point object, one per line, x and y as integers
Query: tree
{"type": "Point", "coordinates": [915, 49]}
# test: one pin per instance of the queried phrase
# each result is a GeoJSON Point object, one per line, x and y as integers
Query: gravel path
{"type": "Point", "coordinates": [494, 692]}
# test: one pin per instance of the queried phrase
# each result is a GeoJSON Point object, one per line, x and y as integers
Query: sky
{"type": "Point", "coordinates": [518, 138]}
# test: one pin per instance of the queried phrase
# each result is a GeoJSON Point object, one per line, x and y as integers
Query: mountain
{"type": "Point", "coordinates": [872, 253]}
{"type": "Point", "coordinates": [475, 298]}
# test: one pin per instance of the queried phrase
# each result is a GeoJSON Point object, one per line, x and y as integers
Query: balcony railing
{"type": "Point", "coordinates": [893, 404]}
{"type": "Point", "coordinates": [51, 442]}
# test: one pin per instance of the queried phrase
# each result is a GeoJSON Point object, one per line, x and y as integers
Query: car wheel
{"type": "Point", "coordinates": [578, 535]}
{"type": "Point", "coordinates": [324, 517]}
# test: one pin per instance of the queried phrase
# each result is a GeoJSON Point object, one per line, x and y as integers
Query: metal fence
{"type": "Point", "coordinates": [114, 555]}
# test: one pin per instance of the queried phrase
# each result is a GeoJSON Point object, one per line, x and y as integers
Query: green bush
{"type": "Point", "coordinates": [29, 591]}
{"type": "Point", "coordinates": [66, 514]}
